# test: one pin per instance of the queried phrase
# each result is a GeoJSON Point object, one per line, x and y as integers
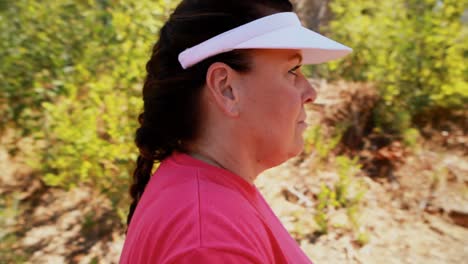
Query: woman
{"type": "Point", "coordinates": [223, 101]}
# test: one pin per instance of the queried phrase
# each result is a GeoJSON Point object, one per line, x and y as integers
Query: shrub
{"type": "Point", "coordinates": [71, 75]}
{"type": "Point", "coordinates": [415, 50]}
{"type": "Point", "coordinates": [346, 193]}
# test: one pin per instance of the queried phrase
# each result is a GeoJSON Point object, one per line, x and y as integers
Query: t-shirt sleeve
{"type": "Point", "coordinates": [211, 255]}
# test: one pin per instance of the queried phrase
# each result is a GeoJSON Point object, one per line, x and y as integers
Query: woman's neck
{"type": "Point", "coordinates": [230, 158]}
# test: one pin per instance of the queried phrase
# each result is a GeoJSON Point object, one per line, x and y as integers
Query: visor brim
{"type": "Point", "coordinates": [315, 47]}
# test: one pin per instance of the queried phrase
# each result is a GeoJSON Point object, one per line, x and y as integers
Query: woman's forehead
{"type": "Point", "coordinates": [277, 55]}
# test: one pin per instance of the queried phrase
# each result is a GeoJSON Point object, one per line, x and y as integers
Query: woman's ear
{"type": "Point", "coordinates": [219, 81]}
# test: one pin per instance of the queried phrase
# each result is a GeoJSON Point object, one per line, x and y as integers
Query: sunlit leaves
{"type": "Point", "coordinates": [71, 76]}
{"type": "Point", "coordinates": [414, 50]}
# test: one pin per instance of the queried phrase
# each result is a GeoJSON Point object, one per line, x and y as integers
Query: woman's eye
{"type": "Point", "coordinates": [293, 70]}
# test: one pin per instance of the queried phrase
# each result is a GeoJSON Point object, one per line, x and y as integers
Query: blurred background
{"type": "Point", "coordinates": [383, 177]}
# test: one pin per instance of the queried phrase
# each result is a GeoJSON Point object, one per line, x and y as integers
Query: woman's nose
{"type": "Point", "coordinates": [309, 91]}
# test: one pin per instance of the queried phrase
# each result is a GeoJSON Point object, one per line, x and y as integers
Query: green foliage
{"type": "Point", "coordinates": [347, 169]}
{"type": "Point", "coordinates": [9, 211]}
{"type": "Point", "coordinates": [71, 76]}
{"type": "Point", "coordinates": [415, 50]}
{"type": "Point", "coordinates": [323, 201]}
{"type": "Point", "coordinates": [38, 50]}
{"type": "Point", "coordinates": [46, 46]}
{"type": "Point", "coordinates": [362, 238]}
{"type": "Point", "coordinates": [316, 141]}
{"type": "Point", "coordinates": [410, 137]}
{"type": "Point", "coordinates": [346, 193]}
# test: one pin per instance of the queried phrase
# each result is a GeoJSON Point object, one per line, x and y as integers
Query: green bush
{"type": "Point", "coordinates": [320, 142]}
{"type": "Point", "coordinates": [415, 50]}
{"type": "Point", "coordinates": [346, 193]}
{"type": "Point", "coordinates": [71, 75]}
{"type": "Point", "coordinates": [40, 45]}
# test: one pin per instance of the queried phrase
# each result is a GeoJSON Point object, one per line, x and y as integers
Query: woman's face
{"type": "Point", "coordinates": [272, 102]}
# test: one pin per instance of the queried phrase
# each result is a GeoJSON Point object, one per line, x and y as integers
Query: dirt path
{"type": "Point", "coordinates": [400, 230]}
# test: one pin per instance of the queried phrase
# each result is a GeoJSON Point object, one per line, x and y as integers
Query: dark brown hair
{"type": "Point", "coordinates": [170, 114]}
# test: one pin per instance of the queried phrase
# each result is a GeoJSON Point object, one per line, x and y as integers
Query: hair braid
{"type": "Point", "coordinates": [144, 166]}
{"type": "Point", "coordinates": [141, 177]}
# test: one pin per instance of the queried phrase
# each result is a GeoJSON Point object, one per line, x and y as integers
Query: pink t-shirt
{"type": "Point", "coordinates": [193, 212]}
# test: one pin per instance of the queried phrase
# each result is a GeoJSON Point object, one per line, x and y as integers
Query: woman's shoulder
{"type": "Point", "coordinates": [198, 213]}
{"type": "Point", "coordinates": [182, 190]}
{"type": "Point", "coordinates": [197, 201]}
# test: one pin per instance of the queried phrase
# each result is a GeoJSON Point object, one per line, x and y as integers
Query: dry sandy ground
{"type": "Point", "coordinates": [400, 230]}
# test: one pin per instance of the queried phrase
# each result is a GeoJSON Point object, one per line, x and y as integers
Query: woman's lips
{"type": "Point", "coordinates": [302, 124]}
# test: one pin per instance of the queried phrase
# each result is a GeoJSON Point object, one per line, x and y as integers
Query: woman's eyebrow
{"type": "Point", "coordinates": [296, 56]}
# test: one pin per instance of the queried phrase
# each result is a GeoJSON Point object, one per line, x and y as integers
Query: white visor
{"type": "Point", "coordinates": [277, 31]}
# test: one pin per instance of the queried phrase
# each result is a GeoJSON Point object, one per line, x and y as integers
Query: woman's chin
{"type": "Point", "coordinates": [298, 148]}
